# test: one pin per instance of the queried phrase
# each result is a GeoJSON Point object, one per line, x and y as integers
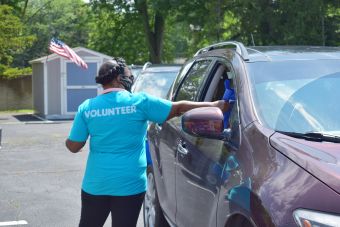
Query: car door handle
{"type": "Point", "coordinates": [181, 148]}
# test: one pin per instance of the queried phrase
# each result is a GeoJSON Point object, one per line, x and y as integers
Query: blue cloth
{"type": "Point", "coordinates": [116, 123]}
{"type": "Point", "coordinates": [229, 96]}
{"type": "Point", "coordinates": [148, 155]}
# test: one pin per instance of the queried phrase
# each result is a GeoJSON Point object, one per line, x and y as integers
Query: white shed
{"type": "Point", "coordinates": [59, 85]}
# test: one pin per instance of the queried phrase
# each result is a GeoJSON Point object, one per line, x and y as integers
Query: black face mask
{"type": "Point", "coordinates": [127, 82]}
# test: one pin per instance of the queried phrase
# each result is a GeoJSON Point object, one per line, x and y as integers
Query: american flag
{"type": "Point", "coordinates": [60, 48]}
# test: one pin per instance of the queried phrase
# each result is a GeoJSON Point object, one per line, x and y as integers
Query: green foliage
{"type": "Point", "coordinates": [163, 30]}
{"type": "Point", "coordinates": [15, 4]}
{"type": "Point", "coordinates": [117, 31]}
{"type": "Point", "coordinates": [122, 28]}
{"type": "Point", "coordinates": [175, 40]}
{"type": "Point", "coordinates": [66, 20]}
{"type": "Point", "coordinates": [26, 111]}
{"type": "Point", "coordinates": [12, 39]}
{"type": "Point", "coordinates": [286, 22]}
{"type": "Point", "coordinates": [204, 22]}
{"type": "Point", "coordinates": [12, 73]}
{"type": "Point", "coordinates": [332, 24]}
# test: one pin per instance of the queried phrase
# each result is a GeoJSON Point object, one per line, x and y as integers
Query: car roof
{"type": "Point", "coordinates": [281, 53]}
{"type": "Point", "coordinates": [135, 66]}
{"type": "Point", "coordinates": [162, 68]}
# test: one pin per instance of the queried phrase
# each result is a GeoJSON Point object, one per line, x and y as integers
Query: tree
{"type": "Point", "coordinates": [117, 32]}
{"type": "Point", "coordinates": [160, 30]}
{"type": "Point", "coordinates": [19, 6]}
{"type": "Point", "coordinates": [12, 39]}
{"type": "Point", "coordinates": [148, 15]}
{"type": "Point", "coordinates": [206, 22]}
{"type": "Point", "coordinates": [331, 23]}
{"type": "Point", "coordinates": [287, 22]}
{"type": "Point", "coordinates": [153, 17]}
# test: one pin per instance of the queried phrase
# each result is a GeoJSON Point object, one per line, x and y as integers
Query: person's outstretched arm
{"type": "Point", "coordinates": [180, 107]}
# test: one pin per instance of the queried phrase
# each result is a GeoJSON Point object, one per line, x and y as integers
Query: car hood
{"type": "Point", "coordinates": [321, 159]}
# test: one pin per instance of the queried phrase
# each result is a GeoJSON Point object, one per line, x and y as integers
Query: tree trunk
{"type": "Point", "coordinates": [154, 36]}
{"type": "Point", "coordinates": [24, 9]}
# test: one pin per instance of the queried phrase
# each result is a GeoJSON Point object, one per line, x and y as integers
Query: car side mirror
{"type": "Point", "coordinates": [204, 122]}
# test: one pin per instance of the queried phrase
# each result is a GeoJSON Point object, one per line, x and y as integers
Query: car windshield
{"type": "Point", "coordinates": [155, 83]}
{"type": "Point", "coordinates": [136, 71]}
{"type": "Point", "coordinates": [298, 96]}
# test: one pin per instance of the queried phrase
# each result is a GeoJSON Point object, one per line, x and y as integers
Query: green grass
{"type": "Point", "coordinates": [28, 111]}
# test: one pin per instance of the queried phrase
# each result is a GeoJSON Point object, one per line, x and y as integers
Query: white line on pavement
{"type": "Point", "coordinates": [8, 223]}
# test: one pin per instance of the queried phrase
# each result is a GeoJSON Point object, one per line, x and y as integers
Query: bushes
{"type": "Point", "coordinates": [12, 73]}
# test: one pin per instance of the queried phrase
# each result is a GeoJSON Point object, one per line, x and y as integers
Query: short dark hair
{"type": "Point", "coordinates": [109, 70]}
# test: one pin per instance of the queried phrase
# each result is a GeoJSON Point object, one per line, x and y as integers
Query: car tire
{"type": "Point", "coordinates": [152, 212]}
{"type": "Point", "coordinates": [239, 221]}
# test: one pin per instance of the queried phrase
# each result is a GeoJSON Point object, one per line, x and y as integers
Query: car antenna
{"type": "Point", "coordinates": [252, 39]}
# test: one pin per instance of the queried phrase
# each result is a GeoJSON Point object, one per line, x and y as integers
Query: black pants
{"type": "Point", "coordinates": [96, 208]}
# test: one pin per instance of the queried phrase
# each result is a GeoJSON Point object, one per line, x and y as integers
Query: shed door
{"type": "Point", "coordinates": [80, 85]}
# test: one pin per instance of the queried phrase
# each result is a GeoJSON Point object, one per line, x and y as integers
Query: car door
{"type": "Point", "coordinates": [163, 154]}
{"type": "Point", "coordinates": [198, 159]}
{"type": "Point", "coordinates": [232, 182]}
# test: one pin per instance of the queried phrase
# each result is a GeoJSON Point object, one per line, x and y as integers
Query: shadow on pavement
{"type": "Point", "coordinates": [27, 117]}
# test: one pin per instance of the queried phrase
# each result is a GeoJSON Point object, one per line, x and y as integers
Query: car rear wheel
{"type": "Point", "coordinates": [152, 212]}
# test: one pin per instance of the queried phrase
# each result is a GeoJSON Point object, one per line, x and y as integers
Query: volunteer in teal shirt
{"type": "Point", "coordinates": [116, 123]}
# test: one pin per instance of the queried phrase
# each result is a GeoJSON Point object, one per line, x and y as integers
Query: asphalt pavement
{"type": "Point", "coordinates": [39, 178]}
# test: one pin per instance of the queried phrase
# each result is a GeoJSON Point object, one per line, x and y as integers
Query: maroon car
{"type": "Point", "coordinates": [272, 160]}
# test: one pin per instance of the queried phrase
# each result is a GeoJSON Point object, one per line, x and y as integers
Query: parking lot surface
{"type": "Point", "coordinates": [40, 179]}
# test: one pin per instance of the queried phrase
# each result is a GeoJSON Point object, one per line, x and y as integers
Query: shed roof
{"type": "Point", "coordinates": [76, 49]}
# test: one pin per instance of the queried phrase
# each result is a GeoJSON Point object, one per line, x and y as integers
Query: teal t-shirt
{"type": "Point", "coordinates": [116, 123]}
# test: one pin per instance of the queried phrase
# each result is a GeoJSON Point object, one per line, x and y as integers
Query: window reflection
{"type": "Point", "coordinates": [191, 85]}
{"type": "Point", "coordinates": [298, 98]}
{"type": "Point", "coordinates": [156, 84]}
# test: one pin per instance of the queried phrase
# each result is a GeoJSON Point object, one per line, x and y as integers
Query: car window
{"type": "Point", "coordinates": [189, 88]}
{"type": "Point", "coordinates": [217, 150]}
{"type": "Point", "coordinates": [135, 70]}
{"type": "Point", "coordinates": [155, 83]}
{"type": "Point", "coordinates": [179, 78]}
{"type": "Point", "coordinates": [224, 75]}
